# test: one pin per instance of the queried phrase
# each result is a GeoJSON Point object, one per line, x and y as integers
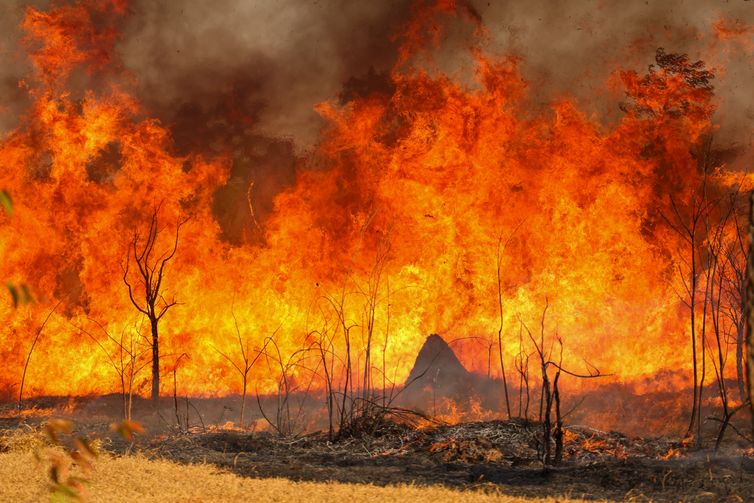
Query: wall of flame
{"type": "Point", "coordinates": [411, 191]}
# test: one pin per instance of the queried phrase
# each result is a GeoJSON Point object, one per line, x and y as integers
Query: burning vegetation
{"type": "Point", "coordinates": [578, 272]}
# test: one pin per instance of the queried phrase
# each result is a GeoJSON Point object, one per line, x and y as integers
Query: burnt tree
{"type": "Point", "coordinates": [550, 395]}
{"type": "Point", "coordinates": [750, 307]}
{"type": "Point", "coordinates": [676, 95]}
{"type": "Point", "coordinates": [736, 259]}
{"type": "Point", "coordinates": [151, 269]}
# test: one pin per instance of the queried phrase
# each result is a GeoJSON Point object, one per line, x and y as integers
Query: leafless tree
{"type": "Point", "coordinates": [385, 394]}
{"type": "Point", "coordinates": [345, 408]}
{"type": "Point", "coordinates": [175, 392]}
{"type": "Point", "coordinates": [371, 300]}
{"type": "Point", "coordinates": [354, 403]}
{"type": "Point", "coordinates": [522, 367]}
{"type": "Point", "coordinates": [750, 309]}
{"type": "Point", "coordinates": [723, 269]}
{"type": "Point", "coordinates": [714, 282]}
{"type": "Point", "coordinates": [687, 222]}
{"type": "Point", "coordinates": [502, 245]}
{"type": "Point", "coordinates": [284, 422]}
{"type": "Point", "coordinates": [126, 359]}
{"type": "Point", "coordinates": [323, 344]}
{"type": "Point", "coordinates": [500, 349]}
{"type": "Point", "coordinates": [151, 270]}
{"type": "Point", "coordinates": [550, 396]}
{"type": "Point", "coordinates": [247, 362]}
{"type": "Point", "coordinates": [736, 257]}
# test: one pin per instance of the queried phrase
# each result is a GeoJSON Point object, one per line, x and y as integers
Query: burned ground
{"type": "Point", "coordinates": [490, 456]}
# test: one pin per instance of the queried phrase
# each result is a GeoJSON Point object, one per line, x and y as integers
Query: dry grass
{"type": "Point", "coordinates": [136, 478]}
{"type": "Point", "coordinates": [23, 439]}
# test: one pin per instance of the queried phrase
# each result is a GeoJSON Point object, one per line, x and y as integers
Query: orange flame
{"type": "Point", "coordinates": [420, 185]}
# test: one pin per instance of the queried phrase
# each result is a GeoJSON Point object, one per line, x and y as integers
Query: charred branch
{"type": "Point", "coordinates": [149, 277]}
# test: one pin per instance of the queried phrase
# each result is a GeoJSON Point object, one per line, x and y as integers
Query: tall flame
{"type": "Point", "coordinates": [411, 194]}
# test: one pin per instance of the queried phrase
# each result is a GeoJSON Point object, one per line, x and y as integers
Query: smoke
{"type": "Point", "coordinates": [241, 78]}
{"type": "Point", "coordinates": [572, 48]}
{"type": "Point", "coordinates": [13, 99]}
{"type": "Point", "coordinates": [289, 55]}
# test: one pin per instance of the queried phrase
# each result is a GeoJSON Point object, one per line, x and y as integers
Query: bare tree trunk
{"type": "Point", "coordinates": [124, 395]}
{"type": "Point", "coordinates": [175, 396]}
{"type": "Point", "coordinates": [546, 422]}
{"type": "Point", "coordinates": [740, 362]}
{"type": "Point", "coordinates": [707, 302]}
{"type": "Point", "coordinates": [750, 308]}
{"type": "Point", "coordinates": [558, 420]}
{"type": "Point", "coordinates": [551, 395]}
{"type": "Point", "coordinates": [500, 329]}
{"type": "Point", "coordinates": [737, 283]}
{"type": "Point", "coordinates": [150, 276]}
{"type": "Point", "coordinates": [688, 230]}
{"type": "Point", "coordinates": [243, 401]}
{"type": "Point", "coordinates": [692, 302]}
{"type": "Point", "coordinates": [155, 361]}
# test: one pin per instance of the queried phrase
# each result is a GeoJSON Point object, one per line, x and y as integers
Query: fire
{"type": "Point", "coordinates": [735, 31]}
{"type": "Point", "coordinates": [390, 232]}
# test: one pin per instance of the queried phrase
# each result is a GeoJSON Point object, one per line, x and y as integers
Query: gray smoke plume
{"type": "Point", "coordinates": [242, 77]}
{"type": "Point", "coordinates": [571, 48]}
{"type": "Point", "coordinates": [287, 55]}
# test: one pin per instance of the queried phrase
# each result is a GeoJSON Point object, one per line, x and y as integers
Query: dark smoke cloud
{"type": "Point", "coordinates": [292, 54]}
{"type": "Point", "coordinates": [242, 76]}
{"type": "Point", "coordinates": [289, 55]}
{"type": "Point", "coordinates": [571, 48]}
{"type": "Point", "coordinates": [13, 99]}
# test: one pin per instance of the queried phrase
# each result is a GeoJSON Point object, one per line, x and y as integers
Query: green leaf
{"type": "Point", "coordinates": [6, 202]}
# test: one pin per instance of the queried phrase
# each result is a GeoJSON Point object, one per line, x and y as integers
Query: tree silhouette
{"type": "Point", "coordinates": [150, 275]}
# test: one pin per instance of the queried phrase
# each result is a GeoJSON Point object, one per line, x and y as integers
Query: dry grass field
{"type": "Point", "coordinates": [136, 478]}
